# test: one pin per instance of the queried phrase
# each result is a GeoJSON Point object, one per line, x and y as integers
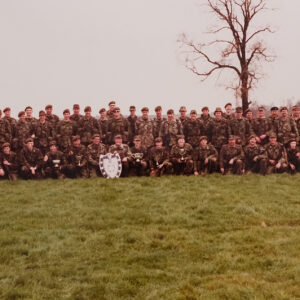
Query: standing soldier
{"type": "Point", "coordinates": [183, 117]}
{"type": "Point", "coordinates": [231, 158]}
{"type": "Point", "coordinates": [43, 132]}
{"type": "Point", "coordinates": [117, 125]}
{"type": "Point", "coordinates": [273, 119]}
{"type": "Point", "coordinates": [76, 160]}
{"type": "Point", "coordinates": [193, 129]}
{"type": "Point", "coordinates": [138, 158]}
{"type": "Point", "coordinates": [158, 120]}
{"type": "Point", "coordinates": [255, 157]}
{"type": "Point", "coordinates": [76, 116]}
{"type": "Point", "coordinates": [293, 156]}
{"type": "Point", "coordinates": [296, 116]}
{"type": "Point", "coordinates": [51, 118]}
{"type": "Point", "coordinates": [205, 158]}
{"type": "Point", "coordinates": [12, 121]}
{"type": "Point", "coordinates": [124, 152]}
{"type": "Point", "coordinates": [240, 127]}
{"type": "Point", "coordinates": [94, 150]}
{"type": "Point", "coordinates": [103, 125]}
{"type": "Point", "coordinates": [5, 132]}
{"type": "Point", "coordinates": [29, 117]}
{"type": "Point", "coordinates": [228, 114]}
{"type": "Point", "coordinates": [8, 163]}
{"type": "Point", "coordinates": [249, 116]}
{"type": "Point", "coordinates": [31, 161]}
{"type": "Point", "coordinates": [87, 127]}
{"type": "Point", "coordinates": [66, 128]}
{"type": "Point", "coordinates": [54, 162]}
{"type": "Point", "coordinates": [219, 130]}
{"type": "Point", "coordinates": [261, 127]}
{"type": "Point", "coordinates": [144, 127]}
{"type": "Point", "coordinates": [131, 121]}
{"type": "Point", "coordinates": [277, 159]}
{"type": "Point", "coordinates": [170, 129]}
{"type": "Point", "coordinates": [285, 127]}
{"type": "Point", "coordinates": [181, 156]}
{"type": "Point", "coordinates": [206, 119]}
{"type": "Point", "coordinates": [111, 107]}
{"type": "Point", "coordinates": [159, 159]}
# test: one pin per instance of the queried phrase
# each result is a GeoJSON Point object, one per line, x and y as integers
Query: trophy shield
{"type": "Point", "coordinates": [110, 165]}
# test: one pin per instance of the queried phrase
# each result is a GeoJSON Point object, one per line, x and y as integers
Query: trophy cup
{"type": "Point", "coordinates": [78, 159]}
{"type": "Point", "coordinates": [182, 152]}
{"type": "Point", "coordinates": [56, 163]}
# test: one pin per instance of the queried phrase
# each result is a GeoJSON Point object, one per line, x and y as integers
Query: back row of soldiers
{"type": "Point", "coordinates": [227, 142]}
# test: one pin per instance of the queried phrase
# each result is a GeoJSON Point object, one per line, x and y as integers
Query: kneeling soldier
{"type": "Point", "coordinates": [181, 156]}
{"type": "Point", "coordinates": [8, 163]}
{"type": "Point", "coordinates": [205, 158]}
{"type": "Point", "coordinates": [159, 159]}
{"type": "Point", "coordinates": [293, 155]}
{"type": "Point", "coordinates": [94, 151]}
{"type": "Point", "coordinates": [138, 158]}
{"type": "Point", "coordinates": [231, 158]}
{"type": "Point", "coordinates": [54, 162]}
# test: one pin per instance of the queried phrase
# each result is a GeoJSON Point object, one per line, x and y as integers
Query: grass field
{"type": "Point", "coordinates": [218, 237]}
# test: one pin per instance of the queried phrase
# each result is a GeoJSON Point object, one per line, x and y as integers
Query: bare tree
{"type": "Point", "coordinates": [237, 42]}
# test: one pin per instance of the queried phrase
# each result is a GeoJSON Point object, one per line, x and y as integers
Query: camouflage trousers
{"type": "Point", "coordinates": [73, 171]}
{"type": "Point", "coordinates": [166, 169]}
{"type": "Point", "coordinates": [208, 168]}
{"type": "Point", "coordinates": [184, 167]}
{"type": "Point", "coordinates": [95, 171]}
{"type": "Point", "coordinates": [273, 169]}
{"type": "Point", "coordinates": [137, 169]}
{"type": "Point", "coordinates": [260, 166]}
{"type": "Point", "coordinates": [54, 173]}
{"type": "Point", "coordinates": [236, 168]}
{"type": "Point", "coordinates": [27, 174]}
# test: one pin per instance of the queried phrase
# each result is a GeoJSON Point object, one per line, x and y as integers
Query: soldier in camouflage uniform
{"type": "Point", "coordinates": [65, 129]}
{"type": "Point", "coordinates": [170, 129]}
{"type": "Point", "coordinates": [205, 158]}
{"type": "Point", "coordinates": [273, 119]}
{"type": "Point", "coordinates": [159, 159]}
{"type": "Point", "coordinates": [231, 158]}
{"type": "Point", "coordinates": [158, 121]}
{"type": "Point", "coordinates": [249, 117]}
{"type": "Point", "coordinates": [240, 127]}
{"type": "Point", "coordinates": [54, 162]}
{"type": "Point", "coordinates": [144, 127]}
{"type": "Point", "coordinates": [12, 121]}
{"type": "Point", "coordinates": [117, 125]}
{"type": "Point", "coordinates": [277, 158]}
{"type": "Point", "coordinates": [183, 117]}
{"type": "Point", "coordinates": [94, 150]}
{"type": "Point", "coordinates": [87, 127]}
{"type": "Point", "coordinates": [5, 132]}
{"type": "Point", "coordinates": [110, 112]}
{"type": "Point", "coordinates": [103, 125]}
{"type": "Point", "coordinates": [138, 158]}
{"type": "Point", "coordinates": [206, 119]}
{"type": "Point", "coordinates": [51, 118]}
{"type": "Point", "coordinates": [261, 127]}
{"type": "Point", "coordinates": [24, 130]}
{"type": "Point", "coordinates": [181, 156]}
{"type": "Point", "coordinates": [29, 117]}
{"type": "Point", "coordinates": [293, 156]}
{"type": "Point", "coordinates": [124, 152]}
{"type": "Point", "coordinates": [228, 114]}
{"type": "Point", "coordinates": [219, 130]}
{"type": "Point", "coordinates": [255, 157]}
{"type": "Point", "coordinates": [76, 160]}
{"type": "Point", "coordinates": [43, 132]}
{"type": "Point", "coordinates": [76, 116]}
{"type": "Point", "coordinates": [8, 163]}
{"type": "Point", "coordinates": [131, 121]}
{"type": "Point", "coordinates": [31, 161]}
{"type": "Point", "coordinates": [193, 129]}
{"type": "Point", "coordinates": [285, 127]}
{"type": "Point", "coordinates": [296, 116]}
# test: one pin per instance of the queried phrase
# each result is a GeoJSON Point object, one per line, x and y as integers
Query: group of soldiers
{"type": "Point", "coordinates": [227, 142]}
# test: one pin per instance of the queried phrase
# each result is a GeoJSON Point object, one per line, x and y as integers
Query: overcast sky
{"type": "Point", "coordinates": [93, 51]}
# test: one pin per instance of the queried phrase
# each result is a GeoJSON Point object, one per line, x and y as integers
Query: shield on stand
{"type": "Point", "coordinates": [110, 165]}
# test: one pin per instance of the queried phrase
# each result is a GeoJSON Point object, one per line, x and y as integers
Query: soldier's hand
{"type": "Point", "coordinates": [255, 158]}
{"type": "Point", "coordinates": [231, 161]}
{"type": "Point", "coordinates": [298, 154]}
{"type": "Point", "coordinates": [46, 158]}
{"type": "Point", "coordinates": [272, 162]}
{"type": "Point", "coordinates": [32, 169]}
{"type": "Point", "coordinates": [160, 166]}
{"type": "Point", "coordinates": [222, 170]}
{"type": "Point", "coordinates": [292, 167]}
{"type": "Point", "coordinates": [258, 140]}
{"type": "Point", "coordinates": [125, 159]}
{"type": "Point", "coordinates": [2, 173]}
{"type": "Point", "coordinates": [5, 162]}
{"type": "Point", "coordinates": [263, 136]}
{"type": "Point", "coordinates": [206, 161]}
{"type": "Point", "coordinates": [278, 165]}
{"type": "Point", "coordinates": [196, 173]}
{"type": "Point", "coordinates": [71, 153]}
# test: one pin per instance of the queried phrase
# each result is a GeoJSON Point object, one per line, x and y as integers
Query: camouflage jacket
{"type": "Point", "coordinates": [93, 153]}
{"type": "Point", "coordinates": [132, 126]}
{"type": "Point", "coordinates": [202, 153]}
{"type": "Point", "coordinates": [64, 132]}
{"type": "Point", "coordinates": [13, 123]}
{"type": "Point", "coordinates": [145, 129]}
{"type": "Point", "coordinates": [76, 156]}
{"type": "Point", "coordinates": [76, 118]}
{"type": "Point", "coordinates": [122, 150]}
{"type": "Point", "coordinates": [252, 152]}
{"type": "Point", "coordinates": [273, 123]}
{"type": "Point", "coordinates": [31, 120]}
{"type": "Point", "coordinates": [261, 126]}
{"type": "Point", "coordinates": [284, 128]}
{"type": "Point", "coordinates": [192, 131]}
{"type": "Point", "coordinates": [12, 159]}
{"type": "Point", "coordinates": [157, 126]}
{"type": "Point", "coordinates": [138, 153]}
{"type": "Point", "coordinates": [181, 153]}
{"type": "Point", "coordinates": [117, 126]}
{"type": "Point", "coordinates": [183, 120]}
{"type": "Point", "coordinates": [55, 155]}
{"type": "Point", "coordinates": [44, 133]}
{"type": "Point", "coordinates": [24, 130]}
{"type": "Point", "coordinates": [227, 153]}
{"type": "Point", "coordinates": [158, 156]}
{"type": "Point", "coordinates": [240, 128]}
{"type": "Point", "coordinates": [276, 152]}
{"type": "Point", "coordinates": [52, 120]}
{"type": "Point", "coordinates": [87, 127]}
{"type": "Point", "coordinates": [206, 121]}
{"type": "Point", "coordinates": [292, 155]}
{"type": "Point", "coordinates": [219, 131]}
{"type": "Point", "coordinates": [169, 132]}
{"type": "Point", "coordinates": [5, 131]}
{"type": "Point", "coordinates": [32, 158]}
{"type": "Point", "coordinates": [103, 124]}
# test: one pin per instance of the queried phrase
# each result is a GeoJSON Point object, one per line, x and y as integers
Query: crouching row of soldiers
{"type": "Point", "coordinates": [80, 161]}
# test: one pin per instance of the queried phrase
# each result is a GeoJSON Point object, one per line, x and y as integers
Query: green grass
{"type": "Point", "coordinates": [151, 238]}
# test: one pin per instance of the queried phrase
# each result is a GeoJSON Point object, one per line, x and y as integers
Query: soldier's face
{"type": "Point", "coordinates": [118, 141]}
{"type": "Point", "coordinates": [193, 117]}
{"type": "Point", "coordinates": [112, 106]}
{"type": "Point", "coordinates": [181, 143]}
{"type": "Point", "coordinates": [231, 143]}
{"type": "Point", "coordinates": [117, 114]}
{"type": "Point", "coordinates": [132, 112]}
{"type": "Point", "coordinates": [28, 112]}
{"type": "Point", "coordinates": [158, 145]}
{"type": "Point", "coordinates": [261, 113]}
{"type": "Point", "coordinates": [203, 143]}
{"type": "Point", "coordinates": [22, 118]}
{"type": "Point", "coordinates": [182, 113]}
{"type": "Point", "coordinates": [274, 113]}
{"type": "Point", "coordinates": [29, 145]}
{"type": "Point", "coordinates": [76, 111]}
{"type": "Point", "coordinates": [158, 113]}
{"type": "Point", "coordinates": [53, 148]}
{"type": "Point", "coordinates": [145, 114]}
{"type": "Point", "coordinates": [7, 113]}
{"type": "Point", "coordinates": [49, 111]}
{"type": "Point", "coordinates": [76, 143]}
{"type": "Point", "coordinates": [238, 115]}
{"type": "Point", "coordinates": [249, 115]}
{"type": "Point", "coordinates": [252, 142]}
{"type": "Point", "coordinates": [218, 115]}
{"type": "Point", "coordinates": [137, 143]}
{"type": "Point", "coordinates": [170, 117]}
{"type": "Point", "coordinates": [293, 145]}
{"type": "Point", "coordinates": [284, 113]}
{"type": "Point", "coordinates": [205, 112]}
{"type": "Point", "coordinates": [228, 109]}
{"type": "Point", "coordinates": [103, 114]}
{"type": "Point", "coordinates": [96, 140]}
{"type": "Point", "coordinates": [6, 150]}
{"type": "Point", "coordinates": [273, 140]}
{"type": "Point", "coordinates": [88, 113]}
{"type": "Point", "coordinates": [66, 116]}
{"type": "Point", "coordinates": [42, 118]}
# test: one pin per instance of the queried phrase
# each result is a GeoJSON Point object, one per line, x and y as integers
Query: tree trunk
{"type": "Point", "coordinates": [244, 90]}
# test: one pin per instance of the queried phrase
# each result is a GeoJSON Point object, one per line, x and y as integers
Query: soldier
{"type": "Point", "coordinates": [31, 161]}
{"type": "Point", "coordinates": [110, 112]}
{"type": "Point", "coordinates": [261, 127]}
{"type": "Point", "coordinates": [54, 162]}
{"type": "Point", "coordinates": [131, 121]}
{"type": "Point", "coordinates": [219, 130]}
{"type": "Point", "coordinates": [76, 160]}
{"type": "Point", "coordinates": [87, 127]}
{"type": "Point", "coordinates": [76, 116]}
{"type": "Point", "coordinates": [205, 158]}
{"type": "Point", "coordinates": [170, 129]}
{"type": "Point", "coordinates": [273, 119]}
{"type": "Point", "coordinates": [94, 151]}
{"type": "Point", "coordinates": [138, 158]}
{"type": "Point", "coordinates": [51, 118]}
{"type": "Point", "coordinates": [117, 125]}
{"type": "Point", "coordinates": [285, 127]}
{"type": "Point", "coordinates": [249, 116]}
{"type": "Point", "coordinates": [8, 163]}
{"type": "Point", "coordinates": [277, 159]}
{"type": "Point", "coordinates": [29, 117]}
{"type": "Point", "coordinates": [43, 132]}
{"type": "Point", "coordinates": [124, 152]}
{"type": "Point", "coordinates": [159, 159]}
{"type": "Point", "coordinates": [5, 132]}
{"type": "Point", "coordinates": [228, 114]}
{"type": "Point", "coordinates": [206, 119]}
{"type": "Point", "coordinates": [103, 124]}
{"type": "Point", "coordinates": [66, 128]}
{"type": "Point", "coordinates": [231, 158]}
{"type": "Point", "coordinates": [296, 116]}
{"type": "Point", "coordinates": [240, 127]}
{"type": "Point", "coordinates": [181, 156]}
{"type": "Point", "coordinates": [293, 156]}
{"type": "Point", "coordinates": [12, 121]}
{"type": "Point", "coordinates": [144, 127]}
{"type": "Point", "coordinates": [24, 130]}
{"type": "Point", "coordinates": [255, 157]}
{"type": "Point", "coordinates": [193, 129]}
{"type": "Point", "coordinates": [158, 120]}
{"type": "Point", "coordinates": [183, 117]}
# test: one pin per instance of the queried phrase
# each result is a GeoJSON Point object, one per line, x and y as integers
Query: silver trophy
{"type": "Point", "coordinates": [78, 159]}
{"type": "Point", "coordinates": [56, 163]}
{"type": "Point", "coordinates": [137, 157]}
{"type": "Point", "coordinates": [182, 152]}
